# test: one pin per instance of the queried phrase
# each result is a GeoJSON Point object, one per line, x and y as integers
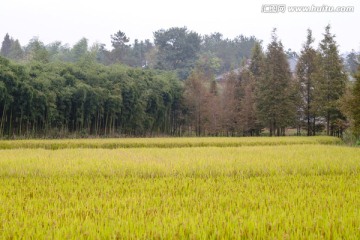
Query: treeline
{"type": "Point", "coordinates": [175, 49]}
{"type": "Point", "coordinates": [265, 93]}
{"type": "Point", "coordinates": [60, 99]}
{"type": "Point", "coordinates": [176, 87]}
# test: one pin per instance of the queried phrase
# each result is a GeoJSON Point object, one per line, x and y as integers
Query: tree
{"type": "Point", "coordinates": [352, 62]}
{"type": "Point", "coordinates": [305, 70]}
{"type": "Point", "coordinates": [231, 104]}
{"type": "Point", "coordinates": [6, 46]}
{"type": "Point", "coordinates": [275, 101]}
{"type": "Point", "coordinates": [350, 105]}
{"type": "Point", "coordinates": [214, 111]}
{"type": "Point", "coordinates": [36, 51]}
{"type": "Point", "coordinates": [252, 89]}
{"type": "Point", "coordinates": [99, 53]}
{"type": "Point", "coordinates": [119, 41]}
{"type": "Point", "coordinates": [257, 62]}
{"type": "Point", "coordinates": [231, 52]}
{"type": "Point", "coordinates": [242, 47]}
{"type": "Point", "coordinates": [8, 85]}
{"type": "Point", "coordinates": [79, 50]}
{"type": "Point", "coordinates": [16, 51]}
{"type": "Point", "coordinates": [209, 63]}
{"type": "Point", "coordinates": [331, 81]}
{"type": "Point", "coordinates": [196, 96]}
{"type": "Point", "coordinates": [249, 122]}
{"type": "Point", "coordinates": [177, 50]}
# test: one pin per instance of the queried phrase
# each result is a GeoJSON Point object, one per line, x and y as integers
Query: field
{"type": "Point", "coordinates": [183, 188]}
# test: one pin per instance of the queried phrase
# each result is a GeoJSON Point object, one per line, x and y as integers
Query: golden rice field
{"type": "Point", "coordinates": [184, 188]}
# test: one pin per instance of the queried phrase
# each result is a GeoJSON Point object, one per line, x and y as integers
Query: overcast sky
{"type": "Point", "coordinates": [70, 20]}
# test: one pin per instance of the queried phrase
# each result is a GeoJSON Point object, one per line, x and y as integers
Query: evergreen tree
{"type": "Point", "coordinates": [331, 81]}
{"type": "Point", "coordinates": [16, 51]}
{"type": "Point", "coordinates": [119, 39]}
{"type": "Point", "coordinates": [230, 51]}
{"type": "Point", "coordinates": [120, 43]}
{"type": "Point", "coordinates": [178, 50]}
{"type": "Point", "coordinates": [275, 99]}
{"type": "Point", "coordinates": [36, 51]}
{"type": "Point", "coordinates": [352, 62]}
{"type": "Point", "coordinates": [354, 106]}
{"type": "Point", "coordinates": [6, 46]}
{"type": "Point", "coordinates": [257, 62]}
{"type": "Point", "coordinates": [256, 69]}
{"type": "Point", "coordinates": [79, 50]}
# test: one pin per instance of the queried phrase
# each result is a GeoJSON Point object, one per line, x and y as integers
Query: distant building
{"type": "Point", "coordinates": [291, 60]}
{"type": "Point", "coordinates": [221, 77]}
{"type": "Point", "coordinates": [292, 64]}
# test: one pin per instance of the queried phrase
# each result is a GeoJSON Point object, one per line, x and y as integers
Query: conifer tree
{"type": "Point", "coordinates": [330, 81]}
{"type": "Point", "coordinates": [231, 104]}
{"type": "Point", "coordinates": [16, 52]}
{"type": "Point", "coordinates": [354, 106]}
{"type": "Point", "coordinates": [275, 99]}
{"type": "Point", "coordinates": [6, 46]}
{"type": "Point", "coordinates": [257, 61]}
{"type": "Point", "coordinates": [305, 70]}
{"type": "Point", "coordinates": [248, 120]}
{"type": "Point", "coordinates": [256, 69]}
{"type": "Point", "coordinates": [214, 110]}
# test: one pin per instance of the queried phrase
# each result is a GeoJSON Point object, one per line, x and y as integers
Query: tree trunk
{"type": "Point", "coordinates": [314, 126]}
{"type": "Point", "coordinates": [308, 125]}
{"type": "Point", "coordinates": [10, 124]}
{"type": "Point", "coordinates": [328, 123]}
{"type": "Point", "coordinates": [21, 118]}
{"type": "Point", "coordinates": [2, 123]}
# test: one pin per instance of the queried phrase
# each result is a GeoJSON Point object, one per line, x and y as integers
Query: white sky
{"type": "Point", "coordinates": [70, 20]}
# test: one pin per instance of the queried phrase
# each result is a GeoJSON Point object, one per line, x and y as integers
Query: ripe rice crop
{"type": "Point", "coordinates": [265, 191]}
{"type": "Point", "coordinates": [165, 142]}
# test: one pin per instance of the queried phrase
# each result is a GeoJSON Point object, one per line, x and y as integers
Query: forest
{"type": "Point", "coordinates": [179, 84]}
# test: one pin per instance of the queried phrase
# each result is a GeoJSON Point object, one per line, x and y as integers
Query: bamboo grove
{"type": "Point", "coordinates": [59, 99]}
{"type": "Point", "coordinates": [86, 96]}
